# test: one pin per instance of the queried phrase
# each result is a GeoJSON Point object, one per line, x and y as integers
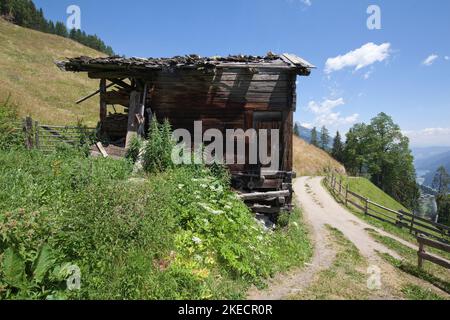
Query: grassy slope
{"type": "Point", "coordinates": [367, 189]}
{"type": "Point", "coordinates": [312, 161]}
{"type": "Point", "coordinates": [29, 75]}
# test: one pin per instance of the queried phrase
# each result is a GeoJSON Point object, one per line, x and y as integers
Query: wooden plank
{"type": "Point", "coordinates": [102, 149]}
{"type": "Point", "coordinates": [257, 208]}
{"type": "Point", "coordinates": [264, 195]}
{"type": "Point", "coordinates": [434, 259]}
{"type": "Point", "coordinates": [434, 244]}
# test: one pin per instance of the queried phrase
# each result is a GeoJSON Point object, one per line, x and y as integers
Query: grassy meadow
{"type": "Point", "coordinates": [29, 75]}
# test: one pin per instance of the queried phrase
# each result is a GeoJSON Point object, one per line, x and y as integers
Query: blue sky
{"type": "Point", "coordinates": [360, 72]}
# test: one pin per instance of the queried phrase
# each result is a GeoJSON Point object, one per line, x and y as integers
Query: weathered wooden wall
{"type": "Point", "coordinates": [224, 99]}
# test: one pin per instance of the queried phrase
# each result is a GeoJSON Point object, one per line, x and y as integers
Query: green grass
{"type": "Point", "coordinates": [431, 273]}
{"type": "Point", "coordinates": [367, 189]}
{"type": "Point", "coordinates": [29, 75]}
{"type": "Point", "coordinates": [345, 279]}
{"type": "Point", "coordinates": [414, 292]}
{"type": "Point", "coordinates": [179, 234]}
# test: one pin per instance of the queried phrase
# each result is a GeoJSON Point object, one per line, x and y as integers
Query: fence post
{"type": "Point", "coordinates": [346, 196]}
{"type": "Point", "coordinates": [340, 186]}
{"type": "Point", "coordinates": [399, 223]}
{"type": "Point", "coordinates": [411, 228]}
{"type": "Point", "coordinates": [419, 254]}
{"type": "Point", "coordinates": [36, 135]}
{"type": "Point", "coordinates": [27, 129]}
{"type": "Point", "coordinates": [367, 206]}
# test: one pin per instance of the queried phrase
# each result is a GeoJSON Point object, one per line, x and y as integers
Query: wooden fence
{"type": "Point", "coordinates": [49, 137]}
{"type": "Point", "coordinates": [423, 255]}
{"type": "Point", "coordinates": [405, 220]}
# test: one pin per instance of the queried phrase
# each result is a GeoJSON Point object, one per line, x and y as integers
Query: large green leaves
{"type": "Point", "coordinates": [13, 267]}
{"type": "Point", "coordinates": [44, 261]}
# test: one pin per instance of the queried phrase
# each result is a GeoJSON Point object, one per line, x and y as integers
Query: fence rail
{"type": "Point", "coordinates": [49, 137]}
{"type": "Point", "coordinates": [423, 255]}
{"type": "Point", "coordinates": [404, 220]}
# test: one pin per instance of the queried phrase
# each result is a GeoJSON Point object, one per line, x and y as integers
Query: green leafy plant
{"type": "Point", "coordinates": [158, 150]}
{"type": "Point", "coordinates": [10, 136]}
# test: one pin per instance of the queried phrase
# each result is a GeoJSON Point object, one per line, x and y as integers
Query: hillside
{"type": "Point", "coordinates": [311, 161]}
{"type": "Point", "coordinates": [36, 85]}
{"type": "Point", "coordinates": [367, 189]}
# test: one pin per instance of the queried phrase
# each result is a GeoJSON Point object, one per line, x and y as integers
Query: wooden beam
{"type": "Point", "coordinates": [135, 112]}
{"type": "Point", "coordinates": [102, 149]}
{"type": "Point", "coordinates": [103, 107]}
{"type": "Point", "coordinates": [92, 94]}
{"type": "Point", "coordinates": [264, 195]}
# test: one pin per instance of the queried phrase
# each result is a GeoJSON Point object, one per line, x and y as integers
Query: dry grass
{"type": "Point", "coordinates": [312, 161]}
{"type": "Point", "coordinates": [36, 85]}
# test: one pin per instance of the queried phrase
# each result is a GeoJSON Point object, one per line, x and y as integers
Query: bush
{"type": "Point", "coordinates": [181, 234]}
{"type": "Point", "coordinates": [158, 150]}
{"type": "Point", "coordinates": [10, 137]}
{"type": "Point", "coordinates": [134, 149]}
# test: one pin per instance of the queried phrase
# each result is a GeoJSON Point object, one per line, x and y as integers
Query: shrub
{"type": "Point", "coordinates": [10, 137]}
{"type": "Point", "coordinates": [158, 150]}
{"type": "Point", "coordinates": [181, 234]}
{"type": "Point", "coordinates": [134, 150]}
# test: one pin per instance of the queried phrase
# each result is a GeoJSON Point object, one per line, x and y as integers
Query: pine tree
{"type": "Point", "coordinates": [297, 130]}
{"type": "Point", "coordinates": [314, 137]}
{"type": "Point", "coordinates": [324, 138]}
{"type": "Point", "coordinates": [338, 148]}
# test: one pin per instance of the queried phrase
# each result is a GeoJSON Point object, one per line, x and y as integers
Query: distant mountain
{"type": "Point", "coordinates": [427, 152]}
{"type": "Point", "coordinates": [428, 160]}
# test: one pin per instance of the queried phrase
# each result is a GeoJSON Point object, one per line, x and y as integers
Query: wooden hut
{"type": "Point", "coordinates": [234, 92]}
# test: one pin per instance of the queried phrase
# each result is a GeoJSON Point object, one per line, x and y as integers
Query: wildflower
{"type": "Point", "coordinates": [210, 210]}
{"type": "Point", "coordinates": [196, 240]}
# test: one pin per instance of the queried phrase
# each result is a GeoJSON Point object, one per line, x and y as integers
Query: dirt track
{"type": "Point", "coordinates": [320, 209]}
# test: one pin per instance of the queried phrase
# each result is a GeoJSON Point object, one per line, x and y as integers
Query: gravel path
{"type": "Point", "coordinates": [320, 209]}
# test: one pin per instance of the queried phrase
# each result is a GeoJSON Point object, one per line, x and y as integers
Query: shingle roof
{"type": "Point", "coordinates": [116, 63]}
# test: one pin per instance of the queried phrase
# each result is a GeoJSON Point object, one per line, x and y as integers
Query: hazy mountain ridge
{"type": "Point", "coordinates": [429, 159]}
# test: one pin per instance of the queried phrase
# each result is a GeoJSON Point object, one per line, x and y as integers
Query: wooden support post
{"type": "Point", "coordinates": [399, 222]}
{"type": "Point", "coordinates": [366, 211]}
{"type": "Point", "coordinates": [411, 228]}
{"type": "Point", "coordinates": [340, 186]}
{"type": "Point", "coordinates": [103, 107]}
{"type": "Point", "coordinates": [419, 254]}
{"type": "Point", "coordinates": [28, 131]}
{"type": "Point", "coordinates": [346, 195]}
{"type": "Point", "coordinates": [135, 113]}
{"type": "Point", "coordinates": [36, 135]}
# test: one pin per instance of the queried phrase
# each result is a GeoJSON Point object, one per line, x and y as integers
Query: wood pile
{"type": "Point", "coordinates": [115, 125]}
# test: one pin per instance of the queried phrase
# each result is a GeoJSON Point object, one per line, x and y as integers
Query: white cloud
{"type": "Point", "coordinates": [333, 119]}
{"type": "Point", "coordinates": [307, 125]}
{"type": "Point", "coordinates": [447, 58]}
{"type": "Point", "coordinates": [430, 60]}
{"type": "Point", "coordinates": [429, 137]}
{"type": "Point", "coordinates": [306, 2]}
{"type": "Point", "coordinates": [326, 116]}
{"type": "Point", "coordinates": [325, 106]}
{"type": "Point", "coordinates": [362, 57]}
